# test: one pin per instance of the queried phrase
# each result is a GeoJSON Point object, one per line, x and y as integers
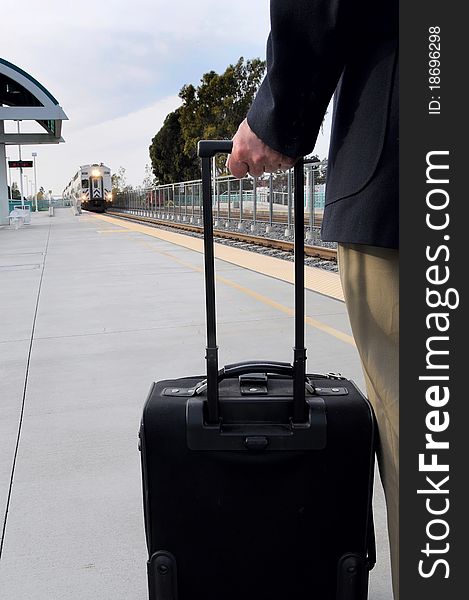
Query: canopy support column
{"type": "Point", "coordinates": [4, 207]}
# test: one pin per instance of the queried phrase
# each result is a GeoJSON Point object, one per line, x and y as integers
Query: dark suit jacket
{"type": "Point", "coordinates": [350, 46]}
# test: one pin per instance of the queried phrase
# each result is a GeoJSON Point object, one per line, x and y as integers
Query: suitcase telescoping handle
{"type": "Point", "coordinates": [207, 149]}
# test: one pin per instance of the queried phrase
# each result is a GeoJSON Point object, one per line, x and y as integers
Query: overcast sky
{"type": "Point", "coordinates": [116, 68]}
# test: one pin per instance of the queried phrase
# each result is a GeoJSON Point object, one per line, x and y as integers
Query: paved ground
{"type": "Point", "coordinates": [91, 314]}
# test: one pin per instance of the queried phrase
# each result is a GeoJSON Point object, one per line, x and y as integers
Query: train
{"type": "Point", "coordinates": [90, 188]}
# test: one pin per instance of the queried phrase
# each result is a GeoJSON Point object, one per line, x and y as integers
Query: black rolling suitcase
{"type": "Point", "coordinates": [257, 478]}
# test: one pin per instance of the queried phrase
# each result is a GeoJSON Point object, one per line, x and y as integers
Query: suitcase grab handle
{"type": "Point", "coordinates": [255, 366]}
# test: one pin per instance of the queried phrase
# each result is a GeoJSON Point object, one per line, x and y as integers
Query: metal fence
{"type": "Point", "coordinates": [256, 204]}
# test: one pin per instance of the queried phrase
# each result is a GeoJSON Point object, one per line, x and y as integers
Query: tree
{"type": "Point", "coordinates": [213, 110]}
{"type": "Point", "coordinates": [168, 159]}
{"type": "Point", "coordinates": [15, 192]}
{"type": "Point", "coordinates": [321, 174]}
{"type": "Point", "coordinates": [217, 106]}
{"type": "Point", "coordinates": [149, 180]}
{"type": "Point", "coordinates": [118, 181]}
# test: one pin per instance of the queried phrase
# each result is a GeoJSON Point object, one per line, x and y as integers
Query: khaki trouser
{"type": "Point", "coordinates": [370, 280]}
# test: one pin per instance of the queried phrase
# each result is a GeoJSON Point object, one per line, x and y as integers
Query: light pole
{"type": "Point", "coordinates": [7, 158]}
{"type": "Point", "coordinates": [34, 154]}
{"type": "Point", "coordinates": [21, 171]}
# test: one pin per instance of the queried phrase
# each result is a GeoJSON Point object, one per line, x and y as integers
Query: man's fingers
{"type": "Point", "coordinates": [279, 164]}
{"type": "Point", "coordinates": [238, 169]}
{"type": "Point", "coordinates": [256, 170]}
{"type": "Point", "coordinates": [251, 154]}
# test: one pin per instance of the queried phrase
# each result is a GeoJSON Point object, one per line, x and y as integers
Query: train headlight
{"type": "Point", "coordinates": [95, 173]}
{"type": "Point", "coordinates": [109, 196]}
{"type": "Point", "coordinates": [83, 197]}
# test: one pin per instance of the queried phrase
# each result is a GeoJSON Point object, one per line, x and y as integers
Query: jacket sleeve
{"type": "Point", "coordinates": [306, 52]}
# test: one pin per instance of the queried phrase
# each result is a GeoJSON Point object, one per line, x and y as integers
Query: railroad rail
{"type": "Point", "coordinates": [284, 245]}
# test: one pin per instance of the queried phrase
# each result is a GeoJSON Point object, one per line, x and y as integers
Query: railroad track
{"type": "Point", "coordinates": [257, 240]}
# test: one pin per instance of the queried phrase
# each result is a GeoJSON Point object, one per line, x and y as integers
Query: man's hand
{"type": "Point", "coordinates": [250, 154]}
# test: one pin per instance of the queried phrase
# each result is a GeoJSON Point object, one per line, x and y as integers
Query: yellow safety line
{"type": "Point", "coordinates": [289, 311]}
{"type": "Point", "coordinates": [316, 280]}
{"type": "Point", "coordinates": [112, 231]}
{"type": "Point", "coordinates": [340, 335]}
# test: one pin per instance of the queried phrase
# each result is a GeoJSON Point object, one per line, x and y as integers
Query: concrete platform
{"type": "Point", "coordinates": [91, 313]}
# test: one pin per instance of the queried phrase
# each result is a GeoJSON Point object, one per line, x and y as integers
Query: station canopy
{"type": "Point", "coordinates": [23, 98]}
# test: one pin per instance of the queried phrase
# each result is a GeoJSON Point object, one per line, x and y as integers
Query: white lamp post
{"type": "Point", "coordinates": [34, 154]}
{"type": "Point", "coordinates": [21, 171]}
{"type": "Point", "coordinates": [8, 174]}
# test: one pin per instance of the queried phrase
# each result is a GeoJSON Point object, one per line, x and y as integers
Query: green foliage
{"type": "Point", "coordinates": [119, 182]}
{"type": "Point", "coordinates": [321, 175]}
{"type": "Point", "coordinates": [168, 160]}
{"type": "Point", "coordinates": [217, 106]}
{"type": "Point", "coordinates": [15, 192]}
{"type": "Point", "coordinates": [149, 179]}
{"type": "Point", "coordinates": [213, 110]}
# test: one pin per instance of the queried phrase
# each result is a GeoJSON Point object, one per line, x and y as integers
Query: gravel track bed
{"type": "Point", "coordinates": [277, 232]}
